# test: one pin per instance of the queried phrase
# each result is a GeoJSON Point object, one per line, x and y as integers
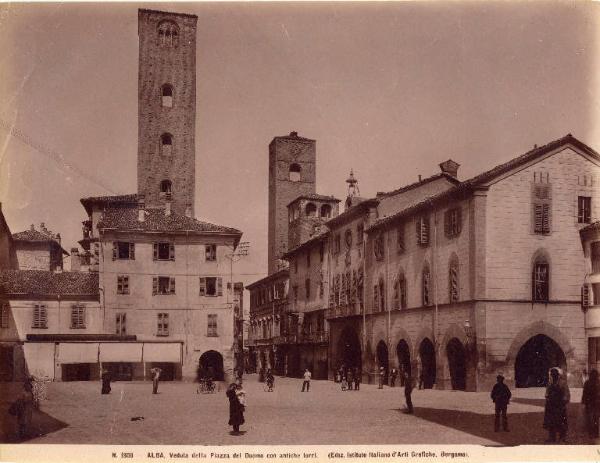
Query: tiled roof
{"type": "Point", "coordinates": [590, 227]}
{"type": "Point", "coordinates": [480, 180]}
{"type": "Point", "coordinates": [350, 213]}
{"type": "Point", "coordinates": [130, 199]}
{"type": "Point", "coordinates": [126, 219]}
{"type": "Point", "coordinates": [46, 283]}
{"type": "Point", "coordinates": [419, 183]}
{"type": "Point", "coordinates": [35, 236]}
{"type": "Point", "coordinates": [279, 275]}
{"type": "Point", "coordinates": [316, 197]}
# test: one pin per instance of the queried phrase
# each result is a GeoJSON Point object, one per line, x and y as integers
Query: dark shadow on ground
{"type": "Point", "coordinates": [41, 424]}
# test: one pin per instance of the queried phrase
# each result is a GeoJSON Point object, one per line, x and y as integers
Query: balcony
{"type": "Point", "coordinates": [343, 311]}
{"type": "Point", "coordinates": [318, 337]}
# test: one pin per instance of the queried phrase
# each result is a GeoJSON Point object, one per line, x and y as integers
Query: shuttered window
{"type": "Point", "coordinates": [121, 323]}
{"type": "Point", "coordinates": [595, 251]}
{"type": "Point", "coordinates": [211, 252]}
{"type": "Point", "coordinates": [423, 231]}
{"type": "Point", "coordinates": [426, 289]}
{"type": "Point", "coordinates": [452, 222]}
{"type": "Point", "coordinates": [541, 281]}
{"type": "Point", "coordinates": [212, 325]}
{"type": "Point", "coordinates": [453, 283]}
{"type": "Point", "coordinates": [77, 316]}
{"type": "Point", "coordinates": [584, 209]}
{"type": "Point", "coordinates": [542, 208]}
{"type": "Point", "coordinates": [163, 251]}
{"type": "Point", "coordinates": [163, 324]}
{"type": "Point", "coordinates": [211, 286]}
{"type": "Point", "coordinates": [163, 285]}
{"type": "Point", "coordinates": [40, 316]}
{"type": "Point", "coordinates": [122, 284]}
{"type": "Point", "coordinates": [123, 250]}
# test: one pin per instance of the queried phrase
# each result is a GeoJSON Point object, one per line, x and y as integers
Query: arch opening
{"type": "Point", "coordinates": [311, 210]}
{"type": "Point", "coordinates": [211, 364]}
{"type": "Point", "coordinates": [325, 211]}
{"type": "Point", "coordinates": [534, 360]}
{"type": "Point", "coordinates": [428, 366]}
{"type": "Point", "coordinates": [349, 350]}
{"type": "Point", "coordinates": [403, 353]}
{"type": "Point", "coordinates": [383, 359]}
{"type": "Point", "coordinates": [457, 364]}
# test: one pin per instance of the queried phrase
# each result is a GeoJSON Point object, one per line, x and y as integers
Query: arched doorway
{"type": "Point", "coordinates": [349, 351]}
{"type": "Point", "coordinates": [383, 359]}
{"type": "Point", "coordinates": [457, 364]}
{"type": "Point", "coordinates": [403, 353]}
{"type": "Point", "coordinates": [427, 356]}
{"type": "Point", "coordinates": [535, 358]}
{"type": "Point", "coordinates": [211, 364]}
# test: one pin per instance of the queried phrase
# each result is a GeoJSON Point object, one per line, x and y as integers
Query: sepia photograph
{"type": "Point", "coordinates": [361, 225]}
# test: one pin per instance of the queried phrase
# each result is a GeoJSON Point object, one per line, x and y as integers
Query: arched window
{"type": "Point", "coordinates": [426, 285]}
{"type": "Point", "coordinates": [168, 34]}
{"type": "Point", "coordinates": [540, 279]}
{"type": "Point", "coordinates": [400, 292]}
{"type": "Point", "coordinates": [379, 296]}
{"type": "Point", "coordinates": [325, 211]}
{"type": "Point", "coordinates": [166, 144]}
{"type": "Point", "coordinates": [166, 189]}
{"type": "Point", "coordinates": [453, 283]}
{"type": "Point", "coordinates": [295, 170]}
{"type": "Point", "coordinates": [166, 94]}
{"type": "Point", "coordinates": [311, 210]}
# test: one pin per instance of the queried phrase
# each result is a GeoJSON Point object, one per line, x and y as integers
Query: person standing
{"type": "Point", "coordinates": [555, 410]}
{"type": "Point", "coordinates": [408, 388]}
{"type": "Point", "coordinates": [501, 397]}
{"type": "Point", "coordinates": [357, 374]}
{"type": "Point", "coordinates": [393, 375]}
{"type": "Point", "coordinates": [306, 383]}
{"type": "Point", "coordinates": [381, 377]}
{"type": "Point", "coordinates": [106, 377]}
{"type": "Point", "coordinates": [591, 402]}
{"type": "Point", "coordinates": [350, 379]}
{"type": "Point", "coordinates": [270, 380]}
{"type": "Point", "coordinates": [236, 408]}
{"type": "Point", "coordinates": [155, 378]}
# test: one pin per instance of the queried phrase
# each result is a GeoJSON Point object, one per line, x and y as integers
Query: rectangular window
{"type": "Point", "coordinates": [4, 308]}
{"type": "Point", "coordinates": [211, 252]}
{"type": "Point", "coordinates": [213, 286]}
{"type": "Point", "coordinates": [307, 286]}
{"type": "Point", "coordinates": [542, 208]}
{"type": "Point", "coordinates": [163, 324]}
{"type": "Point", "coordinates": [121, 323]}
{"type": "Point", "coordinates": [337, 244]}
{"type": "Point", "coordinates": [212, 325]}
{"type": "Point", "coordinates": [595, 294]}
{"type": "Point", "coordinates": [423, 231]}
{"type": "Point", "coordinates": [77, 316]}
{"type": "Point", "coordinates": [123, 250]}
{"type": "Point", "coordinates": [163, 251]}
{"type": "Point", "coordinates": [584, 209]}
{"type": "Point", "coordinates": [400, 246]}
{"type": "Point", "coordinates": [163, 285]}
{"type": "Point", "coordinates": [452, 222]}
{"type": "Point", "coordinates": [122, 284]}
{"type": "Point", "coordinates": [360, 232]}
{"type": "Point", "coordinates": [595, 251]}
{"type": "Point", "coordinates": [40, 316]}
{"type": "Point", "coordinates": [540, 282]}
{"type": "Point", "coordinates": [593, 350]}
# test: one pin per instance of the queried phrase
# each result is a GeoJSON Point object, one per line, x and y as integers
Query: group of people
{"type": "Point", "coordinates": [349, 378]}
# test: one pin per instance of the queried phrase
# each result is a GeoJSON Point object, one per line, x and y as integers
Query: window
{"type": "Point", "coordinates": [325, 211]}
{"type": "Point", "coordinates": [121, 323]}
{"type": "Point", "coordinates": [40, 316]}
{"type": "Point", "coordinates": [337, 244]}
{"type": "Point", "coordinates": [378, 247]}
{"type": "Point", "coordinates": [122, 284]}
{"type": "Point", "coordinates": [453, 284]}
{"type": "Point", "coordinates": [307, 286]}
{"type": "Point", "coordinates": [381, 296]}
{"type": "Point", "coordinates": [123, 250]}
{"type": "Point", "coordinates": [541, 280]}
{"type": "Point", "coordinates": [166, 189]}
{"type": "Point", "coordinates": [321, 289]}
{"type": "Point", "coordinates": [423, 231]}
{"type": "Point", "coordinates": [348, 238]}
{"type": "Point", "coordinates": [4, 308]}
{"type": "Point", "coordinates": [210, 252]}
{"type": "Point", "coordinates": [584, 209]}
{"type": "Point", "coordinates": [595, 251]}
{"type": "Point", "coordinates": [77, 316]}
{"type": "Point", "coordinates": [166, 94]}
{"type": "Point", "coordinates": [163, 325]}
{"type": "Point", "coordinates": [212, 286]}
{"type": "Point", "coordinates": [212, 325]}
{"type": "Point", "coordinates": [541, 208]}
{"type": "Point", "coordinates": [593, 350]}
{"type": "Point", "coordinates": [426, 287]}
{"type": "Point", "coordinates": [360, 233]}
{"type": "Point", "coordinates": [311, 210]}
{"type": "Point", "coordinates": [308, 259]}
{"type": "Point", "coordinates": [163, 285]}
{"type": "Point", "coordinates": [168, 34]}
{"type": "Point", "coordinates": [163, 251]}
{"type": "Point", "coordinates": [400, 246]}
{"type": "Point", "coordinates": [400, 292]}
{"type": "Point", "coordinates": [295, 170]}
{"type": "Point", "coordinates": [166, 144]}
{"type": "Point", "coordinates": [452, 222]}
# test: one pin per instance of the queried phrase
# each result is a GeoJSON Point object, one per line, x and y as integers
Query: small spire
{"type": "Point", "coordinates": [353, 190]}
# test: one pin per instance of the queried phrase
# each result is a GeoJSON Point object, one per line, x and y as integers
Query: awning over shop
{"type": "Point", "coordinates": [162, 352]}
{"type": "Point", "coordinates": [121, 352]}
{"type": "Point", "coordinates": [39, 359]}
{"type": "Point", "coordinates": [78, 352]}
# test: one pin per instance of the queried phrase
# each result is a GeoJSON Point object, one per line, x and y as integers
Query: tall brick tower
{"type": "Point", "coordinates": [167, 109]}
{"type": "Point", "coordinates": [292, 173]}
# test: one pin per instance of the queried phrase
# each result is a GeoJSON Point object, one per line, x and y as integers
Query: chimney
{"type": "Point", "coordinates": [450, 167]}
{"type": "Point", "coordinates": [32, 227]}
{"type": "Point", "coordinates": [419, 177]}
{"type": "Point", "coordinates": [168, 208]}
{"type": "Point", "coordinates": [75, 260]}
{"type": "Point", "coordinates": [141, 209]}
{"type": "Point", "coordinates": [293, 134]}
{"type": "Point", "coordinates": [43, 227]}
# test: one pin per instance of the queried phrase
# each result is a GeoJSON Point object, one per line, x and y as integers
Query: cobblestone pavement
{"type": "Point", "coordinates": [76, 413]}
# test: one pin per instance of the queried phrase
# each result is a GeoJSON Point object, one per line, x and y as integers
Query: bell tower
{"type": "Point", "coordinates": [167, 110]}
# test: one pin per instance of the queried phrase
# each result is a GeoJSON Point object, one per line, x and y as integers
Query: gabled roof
{"type": "Point", "coordinates": [352, 212]}
{"type": "Point", "coordinates": [36, 236]}
{"type": "Point", "coordinates": [479, 181]}
{"type": "Point", "coordinates": [126, 219]}
{"type": "Point", "coordinates": [108, 201]}
{"type": "Point", "coordinates": [315, 197]}
{"type": "Point", "coordinates": [46, 283]}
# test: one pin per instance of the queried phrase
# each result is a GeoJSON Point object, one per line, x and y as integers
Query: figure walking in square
{"type": "Point", "coordinates": [501, 397]}
{"type": "Point", "coordinates": [555, 411]}
{"type": "Point", "coordinates": [236, 408]}
{"type": "Point", "coordinates": [155, 378]}
{"type": "Point", "coordinates": [408, 388]}
{"type": "Point", "coordinates": [306, 382]}
{"type": "Point", "coordinates": [106, 378]}
{"type": "Point", "coordinates": [381, 377]}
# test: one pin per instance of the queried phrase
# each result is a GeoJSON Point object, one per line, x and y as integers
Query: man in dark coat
{"type": "Point", "coordinates": [408, 388]}
{"type": "Point", "coordinates": [236, 409]}
{"type": "Point", "coordinates": [106, 377]}
{"type": "Point", "coordinates": [591, 401]}
{"type": "Point", "coordinates": [555, 411]}
{"type": "Point", "coordinates": [501, 397]}
{"type": "Point", "coordinates": [357, 375]}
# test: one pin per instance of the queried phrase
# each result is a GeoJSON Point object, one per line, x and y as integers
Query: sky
{"type": "Point", "coordinates": [387, 89]}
